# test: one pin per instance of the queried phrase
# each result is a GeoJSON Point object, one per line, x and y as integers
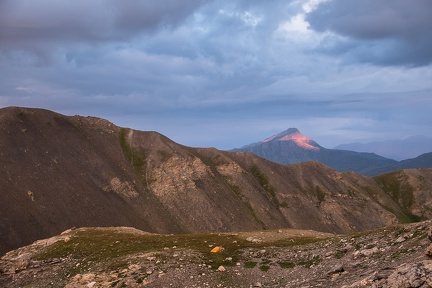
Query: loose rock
{"type": "Point", "coordinates": [337, 269]}
{"type": "Point", "coordinates": [429, 251]}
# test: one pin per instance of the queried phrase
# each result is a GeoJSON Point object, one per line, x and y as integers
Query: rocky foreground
{"type": "Point", "coordinates": [396, 256]}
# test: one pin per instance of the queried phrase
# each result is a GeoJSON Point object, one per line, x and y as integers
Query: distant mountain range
{"type": "Point", "coordinates": [290, 146]}
{"type": "Point", "coordinates": [401, 149]}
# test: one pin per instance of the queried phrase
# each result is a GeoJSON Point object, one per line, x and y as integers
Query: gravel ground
{"type": "Point", "coordinates": [381, 258]}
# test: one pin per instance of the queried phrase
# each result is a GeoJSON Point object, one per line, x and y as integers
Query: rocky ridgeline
{"type": "Point", "coordinates": [396, 256]}
{"type": "Point", "coordinates": [62, 171]}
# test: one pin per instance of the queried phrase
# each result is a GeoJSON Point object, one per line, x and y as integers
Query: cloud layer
{"type": "Point", "coordinates": [225, 73]}
{"type": "Point", "coordinates": [382, 32]}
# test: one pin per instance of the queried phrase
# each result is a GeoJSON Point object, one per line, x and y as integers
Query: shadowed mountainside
{"type": "Point", "coordinates": [422, 161]}
{"type": "Point", "coordinates": [71, 171]}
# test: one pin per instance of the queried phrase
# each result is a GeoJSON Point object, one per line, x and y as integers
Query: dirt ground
{"type": "Point", "coordinates": [277, 258]}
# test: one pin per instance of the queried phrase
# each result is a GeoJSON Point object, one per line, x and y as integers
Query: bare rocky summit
{"type": "Point", "coordinates": [290, 147]}
{"type": "Point", "coordinates": [62, 171]}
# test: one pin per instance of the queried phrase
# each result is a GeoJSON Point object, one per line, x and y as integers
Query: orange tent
{"type": "Point", "coordinates": [216, 249]}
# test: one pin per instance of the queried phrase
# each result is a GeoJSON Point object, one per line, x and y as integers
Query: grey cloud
{"type": "Point", "coordinates": [384, 32]}
{"type": "Point", "coordinates": [131, 15]}
{"type": "Point", "coordinates": [214, 68]}
{"type": "Point", "coordinates": [28, 24]}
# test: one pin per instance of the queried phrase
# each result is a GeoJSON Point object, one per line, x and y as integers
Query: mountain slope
{"type": "Point", "coordinates": [67, 171]}
{"type": "Point", "coordinates": [291, 147]}
{"type": "Point", "coordinates": [61, 172]}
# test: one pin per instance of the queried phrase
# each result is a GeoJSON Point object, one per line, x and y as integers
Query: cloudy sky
{"type": "Point", "coordinates": [225, 73]}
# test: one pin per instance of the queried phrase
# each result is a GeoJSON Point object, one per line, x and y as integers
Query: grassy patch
{"type": "Point", "coordinates": [286, 265]}
{"type": "Point", "coordinates": [238, 192]}
{"type": "Point", "coordinates": [95, 245]}
{"type": "Point", "coordinates": [399, 253]}
{"type": "Point", "coordinates": [284, 205]}
{"type": "Point", "coordinates": [127, 151]}
{"type": "Point", "coordinates": [308, 263]}
{"type": "Point", "coordinates": [320, 194]}
{"type": "Point", "coordinates": [396, 185]}
{"type": "Point", "coordinates": [264, 183]}
{"type": "Point", "coordinates": [295, 241]}
{"type": "Point", "coordinates": [250, 264]}
{"type": "Point", "coordinates": [106, 250]}
{"type": "Point", "coordinates": [264, 267]}
{"type": "Point", "coordinates": [136, 158]}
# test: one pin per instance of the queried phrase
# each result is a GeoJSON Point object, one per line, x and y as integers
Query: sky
{"type": "Point", "coordinates": [225, 73]}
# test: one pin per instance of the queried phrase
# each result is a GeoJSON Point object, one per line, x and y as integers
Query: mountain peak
{"type": "Point", "coordinates": [293, 134]}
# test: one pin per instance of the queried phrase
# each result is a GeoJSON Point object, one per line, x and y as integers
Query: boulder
{"type": "Point", "coordinates": [411, 275]}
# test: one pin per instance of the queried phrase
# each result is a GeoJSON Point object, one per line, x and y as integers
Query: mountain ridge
{"type": "Point", "coordinates": [73, 171]}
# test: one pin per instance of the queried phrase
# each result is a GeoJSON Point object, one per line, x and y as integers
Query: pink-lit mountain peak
{"type": "Point", "coordinates": [294, 135]}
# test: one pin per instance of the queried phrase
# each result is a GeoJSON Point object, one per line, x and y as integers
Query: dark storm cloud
{"type": "Point", "coordinates": [28, 24]}
{"type": "Point", "coordinates": [132, 15]}
{"type": "Point", "coordinates": [384, 32]}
